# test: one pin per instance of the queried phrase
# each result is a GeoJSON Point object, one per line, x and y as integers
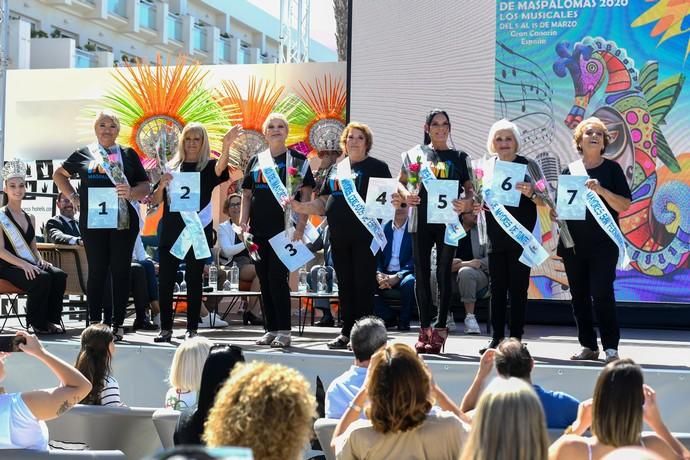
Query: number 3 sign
{"type": "Point", "coordinates": [102, 212]}
{"type": "Point", "coordinates": [184, 192]}
{"type": "Point", "coordinates": [293, 254]}
{"type": "Point", "coordinates": [440, 195]}
{"type": "Point", "coordinates": [379, 195]}
{"type": "Point", "coordinates": [506, 176]}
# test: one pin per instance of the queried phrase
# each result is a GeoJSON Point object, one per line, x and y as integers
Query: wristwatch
{"type": "Point", "coordinates": [533, 196]}
{"type": "Point", "coordinates": [399, 275]}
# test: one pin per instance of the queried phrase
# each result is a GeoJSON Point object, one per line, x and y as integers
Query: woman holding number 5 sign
{"type": "Point", "coordinates": [355, 238]}
{"type": "Point", "coordinates": [444, 163]}
{"type": "Point", "coordinates": [591, 264]}
{"type": "Point", "coordinates": [112, 180]}
{"type": "Point", "coordinates": [187, 222]}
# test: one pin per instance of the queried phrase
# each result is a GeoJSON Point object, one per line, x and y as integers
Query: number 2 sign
{"type": "Point", "coordinates": [102, 212]}
{"type": "Point", "coordinates": [184, 192]}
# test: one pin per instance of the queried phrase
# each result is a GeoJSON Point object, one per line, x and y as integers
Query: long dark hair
{"type": "Point", "coordinates": [94, 359]}
{"type": "Point", "coordinates": [429, 117]}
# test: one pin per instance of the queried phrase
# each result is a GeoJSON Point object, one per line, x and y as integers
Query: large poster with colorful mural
{"type": "Point", "coordinates": [624, 61]}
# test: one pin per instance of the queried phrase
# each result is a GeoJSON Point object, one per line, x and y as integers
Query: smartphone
{"type": "Point", "coordinates": [10, 343]}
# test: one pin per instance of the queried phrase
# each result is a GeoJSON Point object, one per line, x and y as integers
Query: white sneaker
{"type": "Point", "coordinates": [471, 325]}
{"type": "Point", "coordinates": [206, 322]}
{"type": "Point", "coordinates": [611, 355]}
{"type": "Point", "coordinates": [450, 322]}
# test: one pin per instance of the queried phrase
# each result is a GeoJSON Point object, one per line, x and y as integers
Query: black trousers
{"type": "Point", "coordinates": [275, 289]}
{"type": "Point", "coordinates": [355, 267]}
{"type": "Point", "coordinates": [139, 290]}
{"type": "Point", "coordinates": [508, 276]}
{"type": "Point", "coordinates": [167, 276]}
{"type": "Point", "coordinates": [591, 280]}
{"type": "Point", "coordinates": [109, 253]}
{"type": "Point", "coordinates": [422, 242]}
{"type": "Point", "coordinates": [44, 293]}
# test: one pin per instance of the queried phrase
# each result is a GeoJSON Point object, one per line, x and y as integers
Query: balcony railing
{"type": "Point", "coordinates": [244, 56]}
{"type": "Point", "coordinates": [118, 7]}
{"type": "Point", "coordinates": [174, 28]}
{"type": "Point", "coordinates": [199, 38]}
{"type": "Point", "coordinates": [224, 49]}
{"type": "Point", "coordinates": [147, 15]}
{"type": "Point", "coordinates": [84, 59]}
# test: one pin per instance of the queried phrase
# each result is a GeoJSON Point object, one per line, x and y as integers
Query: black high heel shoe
{"type": "Point", "coordinates": [249, 318]}
{"type": "Point", "coordinates": [163, 336]}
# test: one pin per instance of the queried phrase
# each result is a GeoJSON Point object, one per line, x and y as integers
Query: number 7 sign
{"type": "Point", "coordinates": [379, 195]}
{"type": "Point", "coordinates": [570, 200]}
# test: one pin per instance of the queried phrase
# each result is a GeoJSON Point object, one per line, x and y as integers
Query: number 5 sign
{"type": "Point", "coordinates": [379, 195]}
{"type": "Point", "coordinates": [293, 254]}
{"type": "Point", "coordinates": [439, 208]}
{"type": "Point", "coordinates": [184, 192]}
{"type": "Point", "coordinates": [102, 212]}
{"type": "Point", "coordinates": [570, 200]}
{"type": "Point", "coordinates": [506, 176]}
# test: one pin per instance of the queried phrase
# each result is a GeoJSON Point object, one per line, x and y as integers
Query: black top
{"type": "Point", "coordinates": [464, 250]}
{"type": "Point", "coordinates": [454, 168]}
{"type": "Point", "coordinates": [525, 213]}
{"type": "Point", "coordinates": [587, 234]}
{"type": "Point", "coordinates": [171, 222]}
{"type": "Point", "coordinates": [28, 235]}
{"type": "Point", "coordinates": [342, 222]}
{"type": "Point", "coordinates": [81, 163]}
{"type": "Point", "coordinates": [265, 214]}
{"type": "Point", "coordinates": [188, 430]}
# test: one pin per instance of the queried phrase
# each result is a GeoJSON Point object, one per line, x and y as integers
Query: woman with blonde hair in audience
{"type": "Point", "coordinates": [22, 414]}
{"type": "Point", "coordinates": [94, 361]}
{"type": "Point", "coordinates": [266, 407]}
{"type": "Point", "coordinates": [509, 424]}
{"type": "Point", "coordinates": [614, 415]}
{"type": "Point", "coordinates": [185, 373]}
{"type": "Point", "coordinates": [400, 422]}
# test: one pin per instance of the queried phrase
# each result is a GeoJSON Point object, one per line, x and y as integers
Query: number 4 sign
{"type": "Point", "coordinates": [379, 195]}
{"type": "Point", "coordinates": [570, 200]}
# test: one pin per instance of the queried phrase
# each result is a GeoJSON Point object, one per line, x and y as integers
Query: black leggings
{"type": "Point", "coordinates": [275, 290]}
{"type": "Point", "coordinates": [508, 276]}
{"type": "Point", "coordinates": [355, 267]}
{"type": "Point", "coordinates": [109, 251]}
{"type": "Point", "coordinates": [45, 293]}
{"type": "Point", "coordinates": [423, 241]}
{"type": "Point", "coordinates": [167, 276]}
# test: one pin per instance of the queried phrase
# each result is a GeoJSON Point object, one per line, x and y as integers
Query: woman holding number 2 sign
{"type": "Point", "coordinates": [112, 180]}
{"type": "Point", "coordinates": [355, 238]}
{"type": "Point", "coordinates": [445, 164]}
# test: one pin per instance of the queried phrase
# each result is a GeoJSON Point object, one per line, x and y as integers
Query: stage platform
{"type": "Point", "coordinates": [140, 365]}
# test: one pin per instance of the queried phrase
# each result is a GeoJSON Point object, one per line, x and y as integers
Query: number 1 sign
{"type": "Point", "coordinates": [379, 195]}
{"type": "Point", "coordinates": [102, 212]}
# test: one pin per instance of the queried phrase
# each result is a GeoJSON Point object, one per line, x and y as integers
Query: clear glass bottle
{"type": "Point", "coordinates": [234, 277]}
{"type": "Point", "coordinates": [322, 281]}
{"type": "Point", "coordinates": [213, 277]}
{"type": "Point", "coordinates": [302, 285]}
{"type": "Point", "coordinates": [334, 287]}
{"type": "Point", "coordinates": [183, 283]}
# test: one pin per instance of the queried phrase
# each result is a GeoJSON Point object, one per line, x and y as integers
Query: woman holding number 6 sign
{"type": "Point", "coordinates": [355, 238]}
{"type": "Point", "coordinates": [591, 265]}
{"type": "Point", "coordinates": [444, 163]}
{"type": "Point", "coordinates": [112, 180]}
{"type": "Point", "coordinates": [187, 222]}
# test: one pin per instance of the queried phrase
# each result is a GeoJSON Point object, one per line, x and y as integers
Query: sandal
{"type": "Point", "coordinates": [586, 354]}
{"type": "Point", "coordinates": [340, 343]}
{"type": "Point", "coordinates": [281, 341]}
{"type": "Point", "coordinates": [267, 339]}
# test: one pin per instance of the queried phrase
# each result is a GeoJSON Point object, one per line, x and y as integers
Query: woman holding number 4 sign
{"type": "Point", "coordinates": [425, 165]}
{"type": "Point", "coordinates": [591, 264]}
{"type": "Point", "coordinates": [187, 222]}
{"type": "Point", "coordinates": [112, 180]}
{"type": "Point", "coordinates": [355, 238]}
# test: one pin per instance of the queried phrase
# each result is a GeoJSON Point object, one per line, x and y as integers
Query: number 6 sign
{"type": "Point", "coordinates": [570, 200]}
{"type": "Point", "coordinates": [439, 208]}
{"type": "Point", "coordinates": [506, 175]}
{"type": "Point", "coordinates": [102, 212]}
{"type": "Point", "coordinates": [184, 192]}
{"type": "Point", "coordinates": [379, 195]}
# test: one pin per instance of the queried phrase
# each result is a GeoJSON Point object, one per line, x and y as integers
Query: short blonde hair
{"type": "Point", "coordinates": [368, 135]}
{"type": "Point", "coordinates": [266, 407]}
{"type": "Point", "coordinates": [579, 132]}
{"type": "Point", "coordinates": [106, 113]}
{"type": "Point", "coordinates": [275, 116]}
{"type": "Point", "coordinates": [509, 424]}
{"type": "Point", "coordinates": [188, 362]}
{"type": "Point", "coordinates": [181, 154]}
{"type": "Point", "coordinates": [502, 125]}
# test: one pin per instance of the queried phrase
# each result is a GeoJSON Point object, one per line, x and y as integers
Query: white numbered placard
{"type": "Point", "coordinates": [504, 183]}
{"type": "Point", "coordinates": [102, 212]}
{"type": "Point", "coordinates": [439, 208]}
{"type": "Point", "coordinates": [570, 200]}
{"type": "Point", "coordinates": [185, 192]}
{"type": "Point", "coordinates": [293, 254]}
{"type": "Point", "coordinates": [379, 196]}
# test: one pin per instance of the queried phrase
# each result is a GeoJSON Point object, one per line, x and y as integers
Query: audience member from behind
{"type": "Point", "coordinates": [221, 360]}
{"type": "Point", "coordinates": [94, 361]}
{"type": "Point", "coordinates": [614, 415]}
{"type": "Point", "coordinates": [22, 415]}
{"type": "Point", "coordinates": [367, 336]}
{"type": "Point", "coordinates": [508, 424]}
{"type": "Point", "coordinates": [267, 407]}
{"type": "Point", "coordinates": [512, 359]}
{"type": "Point", "coordinates": [401, 393]}
{"type": "Point", "coordinates": [185, 373]}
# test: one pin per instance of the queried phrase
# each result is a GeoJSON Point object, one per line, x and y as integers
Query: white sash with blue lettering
{"type": "Point", "coordinates": [12, 233]}
{"type": "Point", "coordinates": [602, 215]}
{"type": "Point", "coordinates": [192, 235]}
{"type": "Point", "coordinates": [454, 232]}
{"type": "Point", "coordinates": [357, 205]}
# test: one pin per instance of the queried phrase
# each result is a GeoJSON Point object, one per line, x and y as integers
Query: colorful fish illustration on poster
{"type": "Point", "coordinates": [625, 62]}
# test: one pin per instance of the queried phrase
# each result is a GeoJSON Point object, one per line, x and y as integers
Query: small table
{"type": "Point", "coordinates": [235, 297]}
{"type": "Point", "coordinates": [304, 297]}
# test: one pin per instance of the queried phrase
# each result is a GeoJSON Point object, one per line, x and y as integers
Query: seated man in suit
{"type": "Point", "coordinates": [63, 228]}
{"type": "Point", "coordinates": [395, 272]}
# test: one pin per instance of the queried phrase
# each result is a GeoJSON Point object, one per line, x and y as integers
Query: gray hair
{"type": "Point", "coordinates": [502, 125]}
{"type": "Point", "coordinates": [367, 336]}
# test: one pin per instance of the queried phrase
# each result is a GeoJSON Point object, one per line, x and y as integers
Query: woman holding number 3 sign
{"type": "Point", "coordinates": [591, 267]}
{"type": "Point", "coordinates": [355, 238]}
{"type": "Point", "coordinates": [111, 174]}
{"type": "Point", "coordinates": [446, 164]}
{"type": "Point", "coordinates": [179, 228]}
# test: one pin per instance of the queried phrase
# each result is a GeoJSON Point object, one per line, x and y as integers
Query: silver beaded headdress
{"type": "Point", "coordinates": [14, 168]}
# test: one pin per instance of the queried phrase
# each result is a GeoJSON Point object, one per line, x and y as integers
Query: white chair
{"type": "Point", "coordinates": [165, 421]}
{"type": "Point", "coordinates": [63, 454]}
{"type": "Point", "coordinates": [324, 428]}
{"type": "Point", "coordinates": [129, 429]}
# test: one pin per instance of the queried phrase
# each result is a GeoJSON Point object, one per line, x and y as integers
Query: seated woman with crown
{"type": "Point", "coordinates": [20, 262]}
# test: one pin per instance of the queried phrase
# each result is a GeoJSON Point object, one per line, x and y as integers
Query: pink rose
{"type": "Point", "coordinates": [254, 247]}
{"type": "Point", "coordinates": [415, 167]}
{"type": "Point", "coordinates": [292, 171]}
{"type": "Point", "coordinates": [479, 173]}
{"type": "Point", "coordinates": [540, 185]}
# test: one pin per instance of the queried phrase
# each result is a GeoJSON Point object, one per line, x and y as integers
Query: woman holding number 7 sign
{"type": "Point", "coordinates": [355, 238]}
{"type": "Point", "coordinates": [423, 165]}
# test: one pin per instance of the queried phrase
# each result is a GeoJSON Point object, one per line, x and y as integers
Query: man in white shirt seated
{"type": "Point", "coordinates": [367, 336]}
